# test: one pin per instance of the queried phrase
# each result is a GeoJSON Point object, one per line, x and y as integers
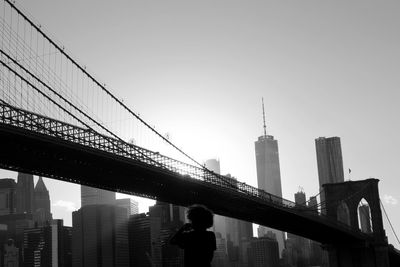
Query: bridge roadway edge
{"type": "Point", "coordinates": [22, 150]}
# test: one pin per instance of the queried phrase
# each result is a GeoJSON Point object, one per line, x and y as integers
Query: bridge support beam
{"type": "Point", "coordinates": [374, 251]}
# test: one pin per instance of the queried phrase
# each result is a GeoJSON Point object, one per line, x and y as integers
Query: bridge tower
{"type": "Point", "coordinates": [343, 204]}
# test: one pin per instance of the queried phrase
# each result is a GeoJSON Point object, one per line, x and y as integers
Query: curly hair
{"type": "Point", "coordinates": [200, 216]}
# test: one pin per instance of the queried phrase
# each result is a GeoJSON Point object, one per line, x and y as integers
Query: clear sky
{"type": "Point", "coordinates": [198, 70]}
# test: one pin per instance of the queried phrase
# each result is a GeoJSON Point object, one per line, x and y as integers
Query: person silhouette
{"type": "Point", "coordinates": [198, 243]}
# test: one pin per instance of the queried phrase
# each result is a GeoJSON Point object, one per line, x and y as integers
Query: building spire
{"type": "Point", "coordinates": [265, 127]}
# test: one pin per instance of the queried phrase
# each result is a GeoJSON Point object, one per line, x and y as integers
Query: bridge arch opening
{"type": "Point", "coordinates": [343, 213]}
{"type": "Point", "coordinates": [364, 216]}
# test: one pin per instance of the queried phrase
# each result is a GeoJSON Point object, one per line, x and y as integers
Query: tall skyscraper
{"type": "Point", "coordinates": [144, 240]}
{"type": "Point", "coordinates": [171, 217]}
{"type": "Point", "coordinates": [364, 218]}
{"type": "Point", "coordinates": [8, 189]}
{"type": "Point", "coordinates": [330, 163]}
{"type": "Point", "coordinates": [42, 213]}
{"type": "Point", "coordinates": [131, 206]}
{"type": "Point", "coordinates": [49, 245]}
{"type": "Point", "coordinates": [93, 196]}
{"type": "Point", "coordinates": [25, 192]}
{"type": "Point", "coordinates": [231, 231]}
{"type": "Point", "coordinates": [100, 236]}
{"type": "Point", "coordinates": [329, 160]}
{"type": "Point", "coordinates": [268, 174]}
{"type": "Point", "coordinates": [219, 221]}
{"type": "Point", "coordinates": [298, 247]}
{"type": "Point", "coordinates": [264, 251]}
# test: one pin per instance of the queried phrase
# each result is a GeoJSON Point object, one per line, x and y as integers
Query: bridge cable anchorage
{"type": "Point", "coordinates": [61, 50]}
{"type": "Point", "coordinates": [390, 223]}
{"type": "Point", "coordinates": [65, 110]}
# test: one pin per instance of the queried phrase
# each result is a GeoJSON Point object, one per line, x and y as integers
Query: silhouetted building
{"type": "Point", "coordinates": [8, 189]}
{"type": "Point", "coordinates": [144, 242]}
{"type": "Point", "coordinates": [129, 204]}
{"type": "Point", "coordinates": [42, 213]}
{"type": "Point", "coordinates": [263, 251]}
{"type": "Point", "coordinates": [100, 236]}
{"type": "Point", "coordinates": [220, 258]}
{"type": "Point", "coordinates": [171, 217]}
{"type": "Point", "coordinates": [37, 247]}
{"type": "Point", "coordinates": [96, 196]}
{"type": "Point", "coordinates": [313, 204]}
{"type": "Point", "coordinates": [61, 244]}
{"type": "Point", "coordinates": [232, 231]}
{"type": "Point", "coordinates": [11, 255]}
{"type": "Point", "coordinates": [298, 247]}
{"type": "Point", "coordinates": [219, 221]}
{"type": "Point", "coordinates": [16, 224]}
{"type": "Point", "coordinates": [269, 176]}
{"type": "Point", "coordinates": [25, 193]}
{"type": "Point", "coordinates": [365, 218]}
{"type": "Point", "coordinates": [48, 245]}
{"type": "Point", "coordinates": [329, 159]}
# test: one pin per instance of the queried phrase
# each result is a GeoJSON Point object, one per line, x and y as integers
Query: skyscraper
{"type": "Point", "coordinates": [364, 218]}
{"type": "Point", "coordinates": [100, 236]}
{"type": "Point", "coordinates": [329, 160]}
{"type": "Point", "coordinates": [42, 213]}
{"type": "Point", "coordinates": [8, 189]}
{"type": "Point", "coordinates": [92, 196]}
{"type": "Point", "coordinates": [25, 189]}
{"type": "Point", "coordinates": [264, 251]}
{"type": "Point", "coordinates": [129, 204]}
{"type": "Point", "coordinates": [144, 240]}
{"type": "Point", "coordinates": [268, 174]}
{"type": "Point", "coordinates": [330, 163]}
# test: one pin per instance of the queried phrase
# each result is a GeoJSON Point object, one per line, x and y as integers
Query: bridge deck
{"type": "Point", "coordinates": [35, 144]}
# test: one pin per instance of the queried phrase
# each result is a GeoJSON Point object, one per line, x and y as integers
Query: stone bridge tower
{"type": "Point", "coordinates": [357, 204]}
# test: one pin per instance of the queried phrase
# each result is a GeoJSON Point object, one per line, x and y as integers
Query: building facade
{"type": "Point", "coordinates": [41, 212]}
{"type": "Point", "coordinates": [94, 196]}
{"type": "Point", "coordinates": [100, 236]}
{"type": "Point", "coordinates": [329, 160]}
{"type": "Point", "coordinates": [269, 176]}
{"type": "Point", "coordinates": [8, 189]}
{"type": "Point", "coordinates": [25, 193]}
{"type": "Point", "coordinates": [131, 206]}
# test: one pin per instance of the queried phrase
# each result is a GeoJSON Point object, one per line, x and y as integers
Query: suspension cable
{"type": "Point", "coordinates": [390, 223]}
{"type": "Point", "coordinates": [100, 85]}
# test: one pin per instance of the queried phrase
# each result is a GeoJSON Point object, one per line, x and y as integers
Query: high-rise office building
{"type": "Point", "coordinates": [268, 174]}
{"type": "Point", "coordinates": [93, 196]}
{"type": "Point", "coordinates": [329, 160]}
{"type": "Point", "coordinates": [219, 221]}
{"type": "Point", "coordinates": [25, 193]}
{"type": "Point", "coordinates": [298, 247]}
{"type": "Point", "coordinates": [42, 213]}
{"type": "Point", "coordinates": [364, 218]}
{"type": "Point", "coordinates": [232, 231]}
{"type": "Point", "coordinates": [171, 217]}
{"type": "Point", "coordinates": [131, 206]}
{"type": "Point", "coordinates": [330, 163]}
{"type": "Point", "coordinates": [144, 240]}
{"type": "Point", "coordinates": [8, 189]}
{"type": "Point", "coordinates": [313, 204]}
{"type": "Point", "coordinates": [11, 254]}
{"type": "Point", "coordinates": [49, 245]}
{"type": "Point", "coordinates": [100, 236]}
{"type": "Point", "coordinates": [264, 251]}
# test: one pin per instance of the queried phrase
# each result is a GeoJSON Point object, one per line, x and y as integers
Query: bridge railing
{"type": "Point", "coordinates": [27, 120]}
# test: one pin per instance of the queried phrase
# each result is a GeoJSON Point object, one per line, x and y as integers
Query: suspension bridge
{"type": "Point", "coordinates": [58, 121]}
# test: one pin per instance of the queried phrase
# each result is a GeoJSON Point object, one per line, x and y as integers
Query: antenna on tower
{"type": "Point", "coordinates": [265, 127]}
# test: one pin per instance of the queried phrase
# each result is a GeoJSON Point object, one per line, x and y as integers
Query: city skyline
{"type": "Point", "coordinates": [296, 110]}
